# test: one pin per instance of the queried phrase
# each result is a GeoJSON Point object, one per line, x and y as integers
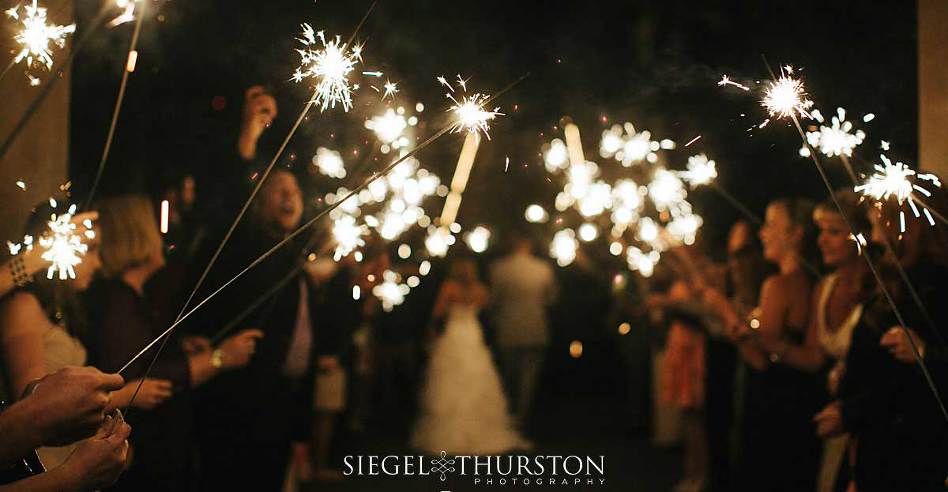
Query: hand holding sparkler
{"type": "Point", "coordinates": [260, 109]}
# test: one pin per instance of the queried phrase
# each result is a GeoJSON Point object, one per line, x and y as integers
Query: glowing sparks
{"type": "Point", "coordinates": [838, 139]}
{"type": "Point", "coordinates": [900, 182]}
{"type": "Point", "coordinates": [329, 162]}
{"type": "Point", "coordinates": [478, 239]}
{"type": "Point", "coordinates": [535, 214]}
{"type": "Point", "coordinates": [388, 127]}
{"type": "Point", "coordinates": [555, 155]}
{"type": "Point", "coordinates": [786, 97]}
{"type": "Point", "coordinates": [390, 89]}
{"type": "Point", "coordinates": [63, 244]}
{"type": "Point", "coordinates": [628, 146]}
{"type": "Point", "coordinates": [725, 80]}
{"type": "Point", "coordinates": [701, 171]}
{"type": "Point", "coordinates": [35, 37]}
{"type": "Point", "coordinates": [348, 236]}
{"type": "Point", "coordinates": [471, 115]}
{"type": "Point", "coordinates": [438, 241]}
{"type": "Point", "coordinates": [469, 112]}
{"type": "Point", "coordinates": [127, 15]}
{"type": "Point", "coordinates": [563, 247]}
{"type": "Point", "coordinates": [666, 190]}
{"type": "Point", "coordinates": [391, 292]}
{"type": "Point", "coordinates": [329, 64]}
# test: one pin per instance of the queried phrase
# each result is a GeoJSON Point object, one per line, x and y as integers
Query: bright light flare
{"type": "Point", "coordinates": [701, 171]}
{"type": "Point", "coordinates": [330, 163]}
{"type": "Point", "coordinates": [348, 236]}
{"type": "Point", "coordinates": [63, 244]}
{"type": "Point", "coordinates": [563, 247]}
{"type": "Point", "coordinates": [896, 180]}
{"type": "Point", "coordinates": [837, 139]}
{"type": "Point", "coordinates": [478, 239]}
{"type": "Point", "coordinates": [329, 64]}
{"type": "Point", "coordinates": [786, 96]}
{"type": "Point", "coordinates": [35, 36]}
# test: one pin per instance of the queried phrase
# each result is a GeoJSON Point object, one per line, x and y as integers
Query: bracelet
{"type": "Point", "coordinates": [18, 272]}
{"type": "Point", "coordinates": [217, 358]}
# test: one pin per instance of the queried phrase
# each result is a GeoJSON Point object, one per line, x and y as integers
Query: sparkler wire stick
{"type": "Point", "coordinates": [6, 70]}
{"type": "Point", "coordinates": [284, 241]}
{"type": "Point", "coordinates": [129, 67]}
{"type": "Point", "coordinates": [736, 203]}
{"type": "Point", "coordinates": [875, 273]}
{"type": "Point", "coordinates": [57, 75]}
{"type": "Point", "coordinates": [298, 231]}
{"type": "Point", "coordinates": [849, 167]}
{"type": "Point", "coordinates": [181, 314]}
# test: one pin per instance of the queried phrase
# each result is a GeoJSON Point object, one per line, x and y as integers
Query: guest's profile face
{"type": "Point", "coordinates": [834, 240]}
{"type": "Point", "coordinates": [281, 203]}
{"type": "Point", "coordinates": [777, 233]}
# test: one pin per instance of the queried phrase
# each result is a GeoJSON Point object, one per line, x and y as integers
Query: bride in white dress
{"type": "Point", "coordinates": [463, 408]}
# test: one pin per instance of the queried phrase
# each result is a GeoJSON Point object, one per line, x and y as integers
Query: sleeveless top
{"type": "Point", "coordinates": [61, 349]}
{"type": "Point", "coordinates": [834, 342]}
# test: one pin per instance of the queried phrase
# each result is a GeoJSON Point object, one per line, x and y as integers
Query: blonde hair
{"type": "Point", "coordinates": [130, 234]}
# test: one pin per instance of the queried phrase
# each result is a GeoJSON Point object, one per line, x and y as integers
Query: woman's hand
{"type": "Point", "coordinates": [237, 350]}
{"type": "Point", "coordinates": [897, 341]}
{"type": "Point", "coordinates": [829, 422]}
{"type": "Point", "coordinates": [152, 393]}
{"type": "Point", "coordinates": [259, 110]}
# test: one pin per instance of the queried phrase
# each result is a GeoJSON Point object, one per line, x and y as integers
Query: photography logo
{"type": "Point", "coordinates": [488, 471]}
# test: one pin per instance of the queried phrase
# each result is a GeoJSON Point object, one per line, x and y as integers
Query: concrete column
{"type": "Point", "coordinates": [933, 86]}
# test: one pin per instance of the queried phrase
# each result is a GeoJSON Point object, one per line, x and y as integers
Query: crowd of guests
{"type": "Point", "coordinates": [250, 391]}
{"type": "Point", "coordinates": [794, 368]}
{"type": "Point", "coordinates": [789, 364]}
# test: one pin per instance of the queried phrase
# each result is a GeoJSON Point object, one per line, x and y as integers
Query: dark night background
{"type": "Point", "coordinates": [654, 63]}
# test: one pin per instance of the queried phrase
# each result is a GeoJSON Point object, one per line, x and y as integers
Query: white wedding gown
{"type": "Point", "coordinates": [463, 407]}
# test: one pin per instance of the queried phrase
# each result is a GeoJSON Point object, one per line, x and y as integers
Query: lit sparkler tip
{"type": "Point", "coordinates": [786, 97]}
{"type": "Point", "coordinates": [898, 181]}
{"type": "Point", "coordinates": [701, 171]}
{"type": "Point", "coordinates": [35, 37]}
{"type": "Point", "coordinates": [391, 88]}
{"type": "Point", "coordinates": [471, 115]}
{"type": "Point", "coordinates": [329, 65]}
{"type": "Point", "coordinates": [725, 80]}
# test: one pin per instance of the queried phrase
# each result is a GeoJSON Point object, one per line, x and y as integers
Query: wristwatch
{"type": "Point", "coordinates": [217, 358]}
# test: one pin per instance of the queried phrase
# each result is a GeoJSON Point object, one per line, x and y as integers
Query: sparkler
{"type": "Point", "coordinates": [390, 89]}
{"type": "Point", "coordinates": [535, 214]}
{"type": "Point", "coordinates": [329, 64]}
{"type": "Point", "coordinates": [478, 239]}
{"type": "Point", "coordinates": [838, 139]}
{"type": "Point", "coordinates": [896, 180]}
{"type": "Point", "coordinates": [348, 236]}
{"type": "Point", "coordinates": [701, 171]}
{"type": "Point", "coordinates": [438, 241]}
{"type": "Point", "coordinates": [725, 80]}
{"type": "Point", "coordinates": [127, 15]}
{"type": "Point", "coordinates": [390, 291]}
{"type": "Point", "coordinates": [786, 96]}
{"type": "Point", "coordinates": [469, 111]}
{"type": "Point", "coordinates": [330, 163]}
{"type": "Point", "coordinates": [563, 247]}
{"type": "Point", "coordinates": [36, 35]}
